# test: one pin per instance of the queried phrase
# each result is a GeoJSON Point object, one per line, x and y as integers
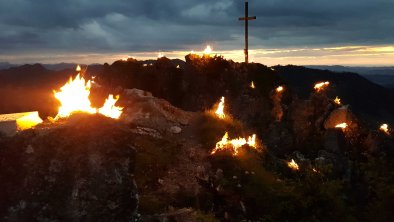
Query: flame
{"type": "Point", "coordinates": [78, 69]}
{"type": "Point", "coordinates": [28, 121]}
{"type": "Point", "coordinates": [235, 144]}
{"type": "Point", "coordinates": [321, 86]}
{"type": "Point", "coordinates": [337, 100]}
{"type": "Point", "coordinates": [220, 110]}
{"type": "Point", "coordinates": [279, 89]}
{"type": "Point", "coordinates": [109, 109]}
{"type": "Point", "coordinates": [293, 165]}
{"type": "Point", "coordinates": [208, 50]}
{"type": "Point", "coordinates": [385, 128]}
{"type": "Point", "coordinates": [74, 97]}
{"type": "Point", "coordinates": [161, 55]}
{"type": "Point", "coordinates": [252, 85]}
{"type": "Point", "coordinates": [342, 126]}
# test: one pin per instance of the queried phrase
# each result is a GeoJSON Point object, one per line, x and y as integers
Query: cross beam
{"type": "Point", "coordinates": [247, 19]}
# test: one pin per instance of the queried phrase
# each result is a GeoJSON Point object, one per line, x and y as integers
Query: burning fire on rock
{"type": "Point", "coordinates": [337, 100]}
{"type": "Point", "coordinates": [293, 165]}
{"type": "Point", "coordinates": [74, 97]}
{"type": "Point", "coordinates": [252, 85]}
{"type": "Point", "coordinates": [385, 129]}
{"type": "Point", "coordinates": [235, 144]}
{"type": "Point", "coordinates": [208, 50]}
{"type": "Point", "coordinates": [342, 126]}
{"type": "Point", "coordinates": [321, 86]}
{"type": "Point", "coordinates": [220, 110]}
{"type": "Point", "coordinates": [279, 89]}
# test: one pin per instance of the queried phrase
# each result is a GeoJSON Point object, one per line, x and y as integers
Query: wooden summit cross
{"type": "Point", "coordinates": [246, 19]}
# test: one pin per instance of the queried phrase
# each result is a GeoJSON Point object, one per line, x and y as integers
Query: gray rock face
{"type": "Point", "coordinates": [79, 171]}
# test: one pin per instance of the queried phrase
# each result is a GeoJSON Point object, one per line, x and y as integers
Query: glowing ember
{"type": "Point", "coordinates": [314, 170]}
{"type": "Point", "coordinates": [208, 50]}
{"type": "Point", "coordinates": [29, 121]}
{"type": "Point", "coordinates": [321, 86]}
{"type": "Point", "coordinates": [252, 85]}
{"type": "Point", "coordinates": [74, 97]}
{"type": "Point", "coordinates": [279, 89]}
{"type": "Point", "coordinates": [385, 128]}
{"type": "Point", "coordinates": [220, 110]}
{"type": "Point", "coordinates": [178, 67]}
{"type": "Point", "coordinates": [293, 165]}
{"type": "Point", "coordinates": [337, 100]}
{"type": "Point", "coordinates": [78, 69]}
{"type": "Point", "coordinates": [342, 126]}
{"type": "Point", "coordinates": [235, 144]}
{"type": "Point", "coordinates": [109, 109]}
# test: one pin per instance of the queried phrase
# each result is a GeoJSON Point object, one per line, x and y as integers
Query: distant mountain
{"type": "Point", "coordinates": [380, 75]}
{"type": "Point", "coordinates": [6, 65]}
{"type": "Point", "coordinates": [368, 99]}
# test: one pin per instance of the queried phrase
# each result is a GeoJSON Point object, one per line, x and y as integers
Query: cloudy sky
{"type": "Point", "coordinates": [347, 32]}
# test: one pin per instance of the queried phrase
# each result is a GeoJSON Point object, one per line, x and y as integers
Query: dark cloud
{"type": "Point", "coordinates": [152, 25]}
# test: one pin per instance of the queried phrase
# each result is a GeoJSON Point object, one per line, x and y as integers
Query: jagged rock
{"type": "Point", "coordinates": [81, 170]}
{"type": "Point", "coordinates": [334, 140]}
{"type": "Point", "coordinates": [338, 116]}
{"type": "Point", "coordinates": [146, 110]}
{"type": "Point", "coordinates": [175, 129]}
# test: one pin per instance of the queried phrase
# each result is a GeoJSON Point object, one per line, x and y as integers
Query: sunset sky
{"type": "Point", "coordinates": [303, 32]}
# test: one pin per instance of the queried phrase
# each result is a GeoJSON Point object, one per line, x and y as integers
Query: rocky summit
{"type": "Point", "coordinates": [312, 159]}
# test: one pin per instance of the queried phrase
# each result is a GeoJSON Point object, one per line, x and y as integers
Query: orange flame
{"type": "Point", "coordinates": [337, 100]}
{"type": "Point", "coordinates": [220, 110]}
{"type": "Point", "coordinates": [252, 85]}
{"type": "Point", "coordinates": [208, 50]}
{"type": "Point", "coordinates": [78, 69]}
{"type": "Point", "coordinates": [109, 109]}
{"type": "Point", "coordinates": [279, 89]}
{"type": "Point", "coordinates": [321, 86]}
{"type": "Point", "coordinates": [342, 126]}
{"type": "Point", "coordinates": [235, 144]}
{"type": "Point", "coordinates": [385, 128]}
{"type": "Point", "coordinates": [293, 165]}
{"type": "Point", "coordinates": [74, 97]}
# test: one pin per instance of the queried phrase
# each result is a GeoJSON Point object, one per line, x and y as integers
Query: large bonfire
{"type": "Point", "coordinates": [74, 97]}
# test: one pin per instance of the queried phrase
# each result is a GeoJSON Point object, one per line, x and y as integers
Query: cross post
{"type": "Point", "coordinates": [246, 19]}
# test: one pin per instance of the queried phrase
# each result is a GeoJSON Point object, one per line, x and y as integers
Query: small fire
{"type": "Point", "coordinates": [109, 109]}
{"type": "Point", "coordinates": [78, 69]}
{"type": "Point", "coordinates": [293, 165]}
{"type": "Point", "coordinates": [279, 89]}
{"type": "Point", "coordinates": [385, 128]}
{"type": "Point", "coordinates": [220, 110]}
{"type": "Point", "coordinates": [28, 121]}
{"type": "Point", "coordinates": [342, 126]}
{"type": "Point", "coordinates": [235, 144]}
{"type": "Point", "coordinates": [321, 86]}
{"type": "Point", "coordinates": [252, 85]}
{"type": "Point", "coordinates": [74, 97]}
{"type": "Point", "coordinates": [337, 100]}
{"type": "Point", "coordinates": [208, 50]}
{"type": "Point", "coordinates": [161, 55]}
